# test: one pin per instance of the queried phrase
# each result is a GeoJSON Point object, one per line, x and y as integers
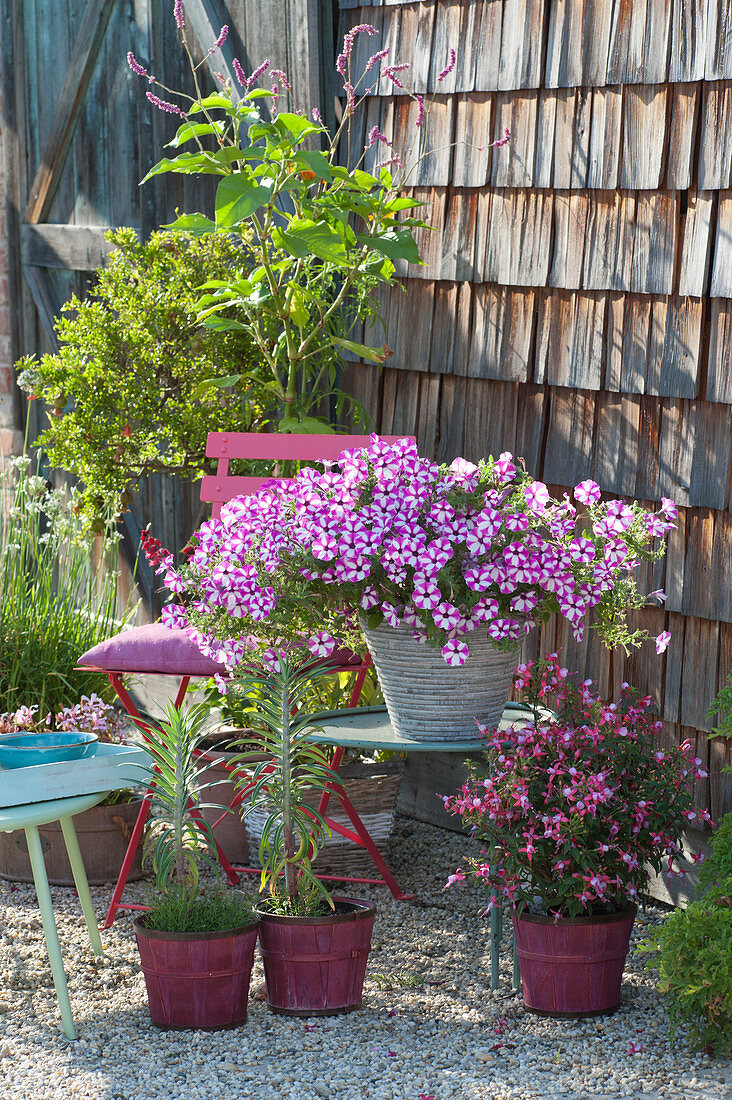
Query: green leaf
{"type": "Point", "coordinates": [190, 130]}
{"type": "Point", "coordinates": [210, 101]}
{"type": "Point", "coordinates": [315, 161]}
{"type": "Point", "coordinates": [188, 164]}
{"type": "Point", "coordinates": [259, 93]}
{"type": "Point", "coordinates": [298, 310]}
{"type": "Point", "coordinates": [303, 237]}
{"type": "Point", "coordinates": [374, 619]}
{"type": "Point", "coordinates": [307, 426]}
{"type": "Point", "coordinates": [402, 203]}
{"type": "Point", "coordinates": [371, 355]}
{"type": "Point", "coordinates": [397, 244]}
{"type": "Point", "coordinates": [296, 125]}
{"type": "Point", "coordinates": [198, 225]}
{"type": "Point", "coordinates": [237, 199]}
{"type": "Point", "coordinates": [221, 324]}
{"type": "Point", "coordinates": [223, 383]}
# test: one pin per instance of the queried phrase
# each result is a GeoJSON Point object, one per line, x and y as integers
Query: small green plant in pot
{"type": "Point", "coordinates": [197, 942]}
{"type": "Point", "coordinates": [572, 811]}
{"type": "Point", "coordinates": [314, 947]}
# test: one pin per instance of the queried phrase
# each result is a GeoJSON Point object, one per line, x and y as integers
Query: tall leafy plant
{"type": "Point", "coordinates": [293, 830]}
{"type": "Point", "coordinates": [317, 237]}
{"type": "Point", "coordinates": [179, 841]}
{"type": "Point", "coordinates": [58, 594]}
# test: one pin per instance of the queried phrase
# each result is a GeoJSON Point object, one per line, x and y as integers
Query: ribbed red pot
{"type": "Point", "coordinates": [197, 979]}
{"type": "Point", "coordinates": [572, 967]}
{"type": "Point", "coordinates": [315, 966]}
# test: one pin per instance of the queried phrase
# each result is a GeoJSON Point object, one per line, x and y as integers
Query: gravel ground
{"type": "Point", "coordinates": [429, 1028]}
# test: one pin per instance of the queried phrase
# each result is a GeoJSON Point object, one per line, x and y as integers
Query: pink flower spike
{"type": "Point", "coordinates": [448, 68]}
{"type": "Point", "coordinates": [178, 15]}
{"type": "Point", "coordinates": [257, 73]}
{"type": "Point", "coordinates": [239, 72]}
{"type": "Point", "coordinates": [135, 65]}
{"type": "Point", "coordinates": [501, 141]}
{"type": "Point", "coordinates": [375, 135]}
{"type": "Point", "coordinates": [662, 641]}
{"type": "Point", "coordinates": [220, 40]}
{"type": "Point", "coordinates": [420, 109]}
{"type": "Point", "coordinates": [163, 105]}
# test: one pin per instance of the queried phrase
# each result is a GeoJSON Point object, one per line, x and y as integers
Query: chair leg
{"type": "Point", "coordinates": [50, 930]}
{"type": "Point", "coordinates": [82, 886]}
{"type": "Point", "coordinates": [127, 861]}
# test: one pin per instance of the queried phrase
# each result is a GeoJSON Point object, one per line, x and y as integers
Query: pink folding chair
{"type": "Point", "coordinates": [160, 650]}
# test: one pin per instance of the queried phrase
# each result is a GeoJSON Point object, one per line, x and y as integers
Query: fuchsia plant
{"type": "Point", "coordinates": [445, 549]}
{"type": "Point", "coordinates": [573, 810]}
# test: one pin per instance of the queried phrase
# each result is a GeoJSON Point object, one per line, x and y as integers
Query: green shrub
{"type": "Point", "coordinates": [693, 954]}
{"type": "Point", "coordinates": [137, 384]}
{"type": "Point", "coordinates": [694, 958]}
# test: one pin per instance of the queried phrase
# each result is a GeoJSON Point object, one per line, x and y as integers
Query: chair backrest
{"type": "Point", "coordinates": [219, 488]}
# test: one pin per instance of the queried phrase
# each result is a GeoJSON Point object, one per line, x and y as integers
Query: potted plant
{"type": "Point", "coordinates": [465, 558]}
{"type": "Point", "coordinates": [573, 811]}
{"type": "Point", "coordinates": [103, 831]}
{"type": "Point", "coordinates": [314, 947]}
{"type": "Point", "coordinates": [197, 941]}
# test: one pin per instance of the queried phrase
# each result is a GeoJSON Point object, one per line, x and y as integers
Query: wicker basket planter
{"type": "Point", "coordinates": [372, 787]}
{"type": "Point", "coordinates": [429, 700]}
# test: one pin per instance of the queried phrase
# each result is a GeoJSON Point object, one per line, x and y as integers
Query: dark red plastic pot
{"type": "Point", "coordinates": [315, 966]}
{"type": "Point", "coordinates": [572, 967]}
{"type": "Point", "coordinates": [197, 979]}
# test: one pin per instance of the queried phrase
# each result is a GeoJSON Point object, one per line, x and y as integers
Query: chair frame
{"type": "Point", "coordinates": [218, 489]}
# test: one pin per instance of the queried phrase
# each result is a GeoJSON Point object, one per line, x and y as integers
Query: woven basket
{"type": "Point", "coordinates": [429, 700]}
{"type": "Point", "coordinates": [372, 787]}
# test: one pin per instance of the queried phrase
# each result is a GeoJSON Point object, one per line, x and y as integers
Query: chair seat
{"type": "Point", "coordinates": [168, 650]}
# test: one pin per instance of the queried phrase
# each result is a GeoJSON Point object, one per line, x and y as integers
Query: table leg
{"type": "Point", "coordinates": [49, 928]}
{"type": "Point", "coordinates": [82, 886]}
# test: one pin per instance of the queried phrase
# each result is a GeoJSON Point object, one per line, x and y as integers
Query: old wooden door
{"type": "Point", "coordinates": [79, 135]}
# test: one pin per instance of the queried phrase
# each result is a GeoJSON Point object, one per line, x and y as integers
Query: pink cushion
{"type": "Point", "coordinates": [154, 648]}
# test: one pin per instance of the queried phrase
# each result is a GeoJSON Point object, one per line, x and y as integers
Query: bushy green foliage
{"type": "Point", "coordinates": [218, 910]}
{"type": "Point", "coordinates": [692, 950]}
{"type": "Point", "coordinates": [720, 711]}
{"type": "Point", "coordinates": [138, 383]}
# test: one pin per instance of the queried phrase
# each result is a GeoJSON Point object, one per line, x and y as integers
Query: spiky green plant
{"type": "Point", "coordinates": [179, 841]}
{"type": "Point", "coordinates": [293, 830]}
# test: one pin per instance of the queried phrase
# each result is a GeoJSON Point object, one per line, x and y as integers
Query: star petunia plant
{"type": "Point", "coordinates": [391, 536]}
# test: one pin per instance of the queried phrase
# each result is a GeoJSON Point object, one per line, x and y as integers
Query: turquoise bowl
{"type": "Point", "coordinates": [22, 750]}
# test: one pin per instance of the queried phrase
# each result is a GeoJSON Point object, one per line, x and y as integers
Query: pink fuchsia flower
{"type": "Point", "coordinates": [662, 641]}
{"type": "Point", "coordinates": [459, 876]}
{"type": "Point", "coordinates": [587, 492]}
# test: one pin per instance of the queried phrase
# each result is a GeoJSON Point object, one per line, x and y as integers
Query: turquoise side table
{"type": "Point", "coordinates": [29, 817]}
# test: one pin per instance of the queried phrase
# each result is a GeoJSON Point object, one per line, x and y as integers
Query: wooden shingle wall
{"type": "Point", "coordinates": [575, 303]}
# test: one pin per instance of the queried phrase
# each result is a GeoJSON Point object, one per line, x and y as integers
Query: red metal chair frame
{"type": "Point", "coordinates": [217, 489]}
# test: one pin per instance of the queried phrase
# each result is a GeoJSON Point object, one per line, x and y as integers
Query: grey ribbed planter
{"type": "Point", "coordinates": [430, 700]}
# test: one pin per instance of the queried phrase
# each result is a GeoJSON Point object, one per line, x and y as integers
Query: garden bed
{"type": "Point", "coordinates": [430, 1026]}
